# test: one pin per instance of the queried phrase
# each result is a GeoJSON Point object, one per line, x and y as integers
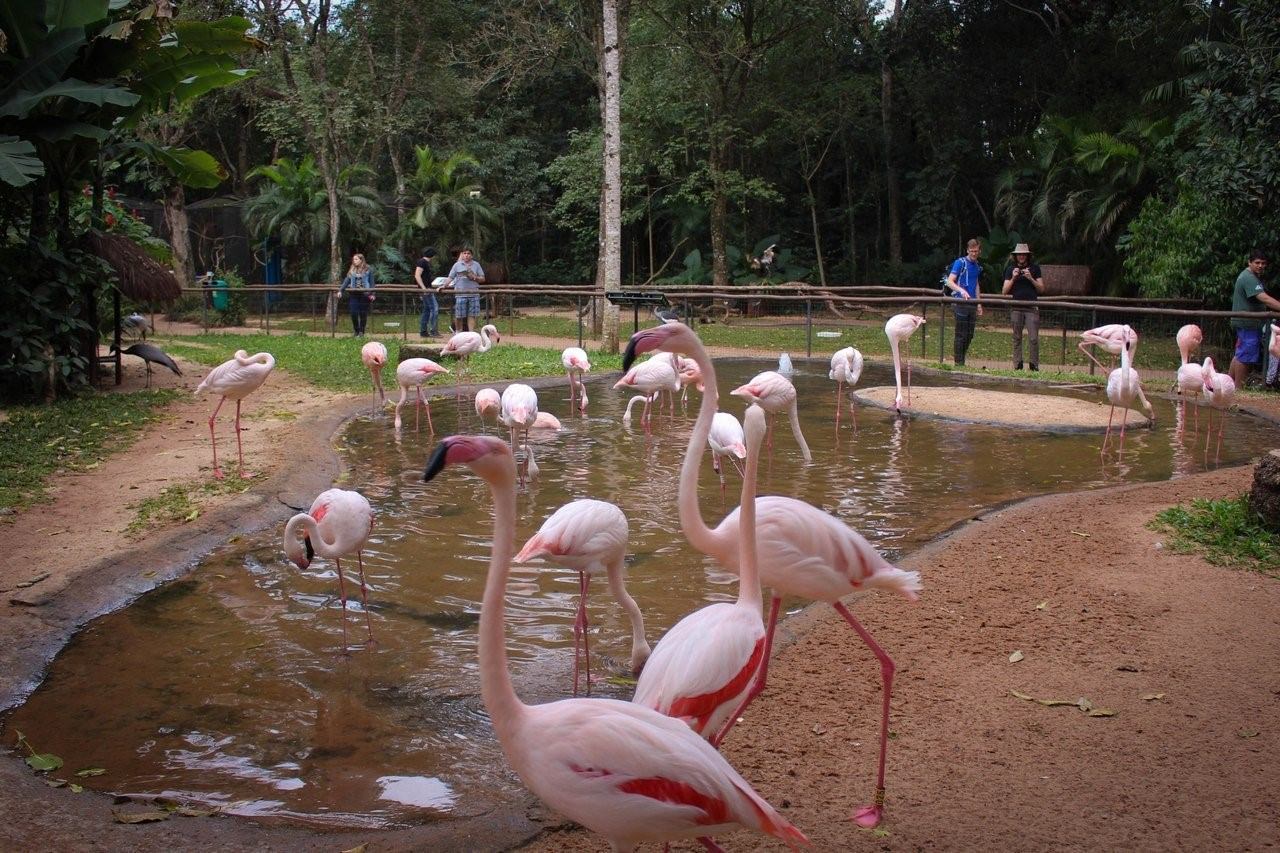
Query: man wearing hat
{"type": "Point", "coordinates": [1022, 281]}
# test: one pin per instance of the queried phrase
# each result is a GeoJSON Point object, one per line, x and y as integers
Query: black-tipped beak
{"type": "Point", "coordinates": [629, 357]}
{"type": "Point", "coordinates": [311, 552]}
{"type": "Point", "coordinates": [436, 463]}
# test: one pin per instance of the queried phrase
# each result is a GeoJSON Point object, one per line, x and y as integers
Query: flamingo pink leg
{"type": "Point", "coordinates": [710, 844]}
{"type": "Point", "coordinates": [217, 472]}
{"type": "Point", "coordinates": [342, 593]}
{"type": "Point", "coordinates": [1124, 420]}
{"type": "Point", "coordinates": [364, 597]}
{"type": "Point", "coordinates": [239, 444]}
{"type": "Point", "coordinates": [869, 816]}
{"type": "Point", "coordinates": [1208, 431]}
{"type": "Point", "coordinates": [1107, 436]}
{"type": "Point", "coordinates": [580, 638]}
{"type": "Point", "coordinates": [839, 400]}
{"type": "Point", "coordinates": [1222, 422]}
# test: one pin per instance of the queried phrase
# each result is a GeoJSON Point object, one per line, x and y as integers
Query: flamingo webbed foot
{"type": "Point", "coordinates": [868, 817]}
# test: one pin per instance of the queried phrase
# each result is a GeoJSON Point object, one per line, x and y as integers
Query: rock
{"type": "Point", "coordinates": [431, 351]}
{"type": "Point", "coordinates": [1264, 497]}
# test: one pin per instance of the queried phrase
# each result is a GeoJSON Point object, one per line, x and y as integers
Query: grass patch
{"type": "Point", "coordinates": [1225, 531]}
{"type": "Point", "coordinates": [70, 435]}
{"type": "Point", "coordinates": [179, 502]}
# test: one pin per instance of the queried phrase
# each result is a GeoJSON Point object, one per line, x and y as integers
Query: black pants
{"type": "Point", "coordinates": [359, 314]}
{"type": "Point", "coordinates": [966, 321]}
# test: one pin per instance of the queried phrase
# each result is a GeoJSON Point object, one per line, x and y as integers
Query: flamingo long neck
{"type": "Point", "coordinates": [485, 343]}
{"type": "Point", "coordinates": [312, 529]}
{"type": "Point", "coordinates": [748, 564]}
{"type": "Point", "coordinates": [701, 537]}
{"type": "Point", "coordinates": [505, 708]}
{"type": "Point", "coordinates": [795, 429]}
{"type": "Point", "coordinates": [639, 645]}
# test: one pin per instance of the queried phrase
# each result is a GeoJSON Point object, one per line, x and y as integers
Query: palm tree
{"type": "Point", "coordinates": [448, 201]}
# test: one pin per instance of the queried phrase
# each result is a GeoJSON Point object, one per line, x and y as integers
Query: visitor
{"type": "Point", "coordinates": [360, 282]}
{"type": "Point", "coordinates": [428, 323]}
{"type": "Point", "coordinates": [963, 281]}
{"type": "Point", "coordinates": [465, 278]}
{"type": "Point", "coordinates": [1022, 281]}
{"type": "Point", "coordinates": [1249, 295]}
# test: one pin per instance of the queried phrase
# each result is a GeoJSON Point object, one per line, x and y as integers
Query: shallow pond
{"type": "Point", "coordinates": [230, 686]}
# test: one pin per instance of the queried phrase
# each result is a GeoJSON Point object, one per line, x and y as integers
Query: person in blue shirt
{"type": "Point", "coordinates": [465, 277]}
{"type": "Point", "coordinates": [962, 281]}
{"type": "Point", "coordinates": [360, 282]}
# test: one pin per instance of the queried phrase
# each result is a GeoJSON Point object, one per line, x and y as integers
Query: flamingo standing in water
{"type": "Point", "coordinates": [488, 403]}
{"type": "Point", "coordinates": [803, 551]}
{"type": "Point", "coordinates": [576, 363]}
{"type": "Point", "coordinates": [689, 374]}
{"type": "Point", "coordinates": [374, 356]}
{"type": "Point", "coordinates": [774, 393]}
{"type": "Point", "coordinates": [519, 411]}
{"type": "Point", "coordinates": [650, 377]}
{"type": "Point", "coordinates": [463, 344]}
{"type": "Point", "coordinates": [1219, 392]}
{"type": "Point", "coordinates": [846, 367]}
{"type": "Point", "coordinates": [414, 373]}
{"type": "Point", "coordinates": [702, 669]}
{"type": "Point", "coordinates": [590, 536]}
{"type": "Point", "coordinates": [622, 770]}
{"type": "Point", "coordinates": [1124, 388]}
{"type": "Point", "coordinates": [727, 441]}
{"type": "Point", "coordinates": [1190, 384]}
{"type": "Point", "coordinates": [899, 328]}
{"type": "Point", "coordinates": [337, 524]}
{"type": "Point", "coordinates": [626, 413]}
{"type": "Point", "coordinates": [1111, 338]}
{"type": "Point", "coordinates": [235, 379]}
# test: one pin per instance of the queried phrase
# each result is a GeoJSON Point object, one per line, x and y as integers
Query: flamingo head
{"type": "Point", "coordinates": [582, 398]}
{"type": "Point", "coordinates": [1209, 374]}
{"type": "Point", "coordinates": [487, 402]}
{"type": "Point", "coordinates": [299, 551]}
{"type": "Point", "coordinates": [520, 414]}
{"type": "Point", "coordinates": [669, 337]}
{"type": "Point", "coordinates": [431, 368]}
{"type": "Point", "coordinates": [738, 449]}
{"type": "Point", "coordinates": [626, 381]}
{"type": "Point", "coordinates": [488, 456]}
{"type": "Point", "coordinates": [748, 392]}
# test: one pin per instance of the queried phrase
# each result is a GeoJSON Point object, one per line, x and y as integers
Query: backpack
{"type": "Point", "coordinates": [946, 273]}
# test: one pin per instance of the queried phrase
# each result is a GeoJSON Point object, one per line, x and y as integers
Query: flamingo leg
{"type": "Point", "coordinates": [1084, 348]}
{"type": "Point", "coordinates": [908, 381]}
{"type": "Point", "coordinates": [869, 816]}
{"type": "Point", "coordinates": [1208, 431]}
{"type": "Point", "coordinates": [710, 844]}
{"type": "Point", "coordinates": [1107, 436]}
{"type": "Point", "coordinates": [217, 472]}
{"type": "Point", "coordinates": [581, 643]}
{"type": "Point", "coordinates": [839, 400]}
{"type": "Point", "coordinates": [1222, 422]}
{"type": "Point", "coordinates": [342, 593]}
{"type": "Point", "coordinates": [1124, 420]}
{"type": "Point", "coordinates": [239, 443]}
{"type": "Point", "coordinates": [364, 597]}
{"type": "Point", "coordinates": [762, 674]}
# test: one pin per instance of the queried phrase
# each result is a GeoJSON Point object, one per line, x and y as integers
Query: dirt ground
{"type": "Point", "coordinates": [1184, 653]}
{"type": "Point", "coordinates": [1001, 408]}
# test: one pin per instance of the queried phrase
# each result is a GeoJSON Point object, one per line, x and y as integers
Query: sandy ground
{"type": "Point", "coordinates": [1001, 408]}
{"type": "Point", "coordinates": [1183, 652]}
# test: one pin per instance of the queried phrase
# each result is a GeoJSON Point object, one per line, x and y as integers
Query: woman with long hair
{"type": "Point", "coordinates": [360, 282]}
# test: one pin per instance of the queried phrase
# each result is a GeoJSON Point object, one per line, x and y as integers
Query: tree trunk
{"type": "Point", "coordinates": [893, 192]}
{"type": "Point", "coordinates": [813, 220]}
{"type": "Point", "coordinates": [610, 68]}
{"type": "Point", "coordinates": [719, 216]}
{"type": "Point", "coordinates": [175, 218]}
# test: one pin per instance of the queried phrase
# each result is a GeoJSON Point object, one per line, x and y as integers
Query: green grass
{"type": "Point", "coordinates": [1225, 531]}
{"type": "Point", "coordinates": [70, 435]}
{"type": "Point", "coordinates": [179, 502]}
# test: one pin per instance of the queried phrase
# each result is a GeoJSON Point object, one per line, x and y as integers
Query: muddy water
{"type": "Point", "coordinates": [230, 687]}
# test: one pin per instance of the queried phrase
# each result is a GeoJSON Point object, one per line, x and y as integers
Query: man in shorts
{"type": "Point", "coordinates": [465, 277]}
{"type": "Point", "coordinates": [1249, 295]}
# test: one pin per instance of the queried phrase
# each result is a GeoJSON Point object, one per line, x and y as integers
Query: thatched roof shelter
{"type": "Point", "coordinates": [141, 277]}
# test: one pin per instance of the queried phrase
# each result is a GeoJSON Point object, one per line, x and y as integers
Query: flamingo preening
{"type": "Point", "coordinates": [519, 412]}
{"type": "Point", "coordinates": [235, 379]}
{"type": "Point", "coordinates": [703, 668]}
{"type": "Point", "coordinates": [590, 536]}
{"type": "Point", "coordinates": [374, 356]}
{"type": "Point", "coordinates": [622, 770]}
{"type": "Point", "coordinates": [463, 344]}
{"type": "Point", "coordinates": [337, 524]}
{"type": "Point", "coordinates": [1189, 338]}
{"type": "Point", "coordinates": [576, 363]}
{"type": "Point", "coordinates": [1124, 389]}
{"type": "Point", "coordinates": [1219, 392]}
{"type": "Point", "coordinates": [846, 368]}
{"type": "Point", "coordinates": [774, 393]}
{"type": "Point", "coordinates": [898, 329]}
{"type": "Point", "coordinates": [1111, 338]}
{"type": "Point", "coordinates": [727, 441]}
{"type": "Point", "coordinates": [414, 373]}
{"type": "Point", "coordinates": [488, 403]}
{"type": "Point", "coordinates": [802, 550]}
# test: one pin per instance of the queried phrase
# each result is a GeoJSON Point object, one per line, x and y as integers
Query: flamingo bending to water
{"type": "Point", "coordinates": [727, 441]}
{"type": "Point", "coordinates": [519, 411]}
{"type": "Point", "coordinates": [846, 368]}
{"type": "Point", "coordinates": [774, 393]}
{"type": "Point", "coordinates": [576, 363]}
{"type": "Point", "coordinates": [488, 403]}
{"type": "Point", "coordinates": [898, 329]}
{"type": "Point", "coordinates": [414, 373]}
{"type": "Point", "coordinates": [649, 378]}
{"type": "Point", "coordinates": [235, 379]}
{"type": "Point", "coordinates": [590, 536]}
{"type": "Point", "coordinates": [622, 770]}
{"type": "Point", "coordinates": [337, 524]}
{"type": "Point", "coordinates": [803, 551]}
{"type": "Point", "coordinates": [374, 356]}
{"type": "Point", "coordinates": [1124, 389]}
{"type": "Point", "coordinates": [1111, 338]}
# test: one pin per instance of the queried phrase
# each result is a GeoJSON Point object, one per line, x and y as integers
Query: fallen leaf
{"type": "Point", "coordinates": [1247, 733]}
{"type": "Point", "coordinates": [91, 771]}
{"type": "Point", "coordinates": [1016, 656]}
{"type": "Point", "coordinates": [56, 783]}
{"type": "Point", "coordinates": [1150, 697]}
{"type": "Point", "coordinates": [44, 762]}
{"type": "Point", "coordinates": [358, 849]}
{"type": "Point", "coordinates": [880, 833]}
{"type": "Point", "coordinates": [1100, 712]}
{"type": "Point", "coordinates": [818, 729]}
{"type": "Point", "coordinates": [192, 516]}
{"type": "Point", "coordinates": [1042, 605]}
{"type": "Point", "coordinates": [192, 811]}
{"type": "Point", "coordinates": [148, 574]}
{"type": "Point", "coordinates": [138, 817]}
{"type": "Point", "coordinates": [76, 789]}
{"type": "Point", "coordinates": [1081, 535]}
{"type": "Point", "coordinates": [1023, 696]}
{"type": "Point", "coordinates": [33, 581]}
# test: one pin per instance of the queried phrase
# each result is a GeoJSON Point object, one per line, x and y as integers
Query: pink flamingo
{"type": "Point", "coordinates": [1189, 338]}
{"type": "Point", "coordinates": [590, 537]}
{"type": "Point", "coordinates": [463, 344]}
{"type": "Point", "coordinates": [1219, 392]}
{"type": "Point", "coordinates": [708, 684]}
{"type": "Point", "coordinates": [1111, 338]}
{"type": "Point", "coordinates": [727, 441]}
{"type": "Point", "coordinates": [338, 523]}
{"type": "Point", "coordinates": [626, 413]}
{"type": "Point", "coordinates": [774, 393]}
{"type": "Point", "coordinates": [898, 329]}
{"type": "Point", "coordinates": [803, 551]}
{"type": "Point", "coordinates": [488, 403]}
{"type": "Point", "coordinates": [649, 378]}
{"type": "Point", "coordinates": [414, 373]}
{"type": "Point", "coordinates": [689, 374]}
{"type": "Point", "coordinates": [546, 420]}
{"type": "Point", "coordinates": [576, 363]}
{"type": "Point", "coordinates": [1190, 383]}
{"type": "Point", "coordinates": [846, 367]}
{"type": "Point", "coordinates": [374, 356]}
{"type": "Point", "coordinates": [622, 770]}
{"type": "Point", "coordinates": [1124, 388]}
{"type": "Point", "coordinates": [519, 410]}
{"type": "Point", "coordinates": [235, 379]}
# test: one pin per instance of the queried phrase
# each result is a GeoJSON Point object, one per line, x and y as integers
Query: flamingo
{"type": "Point", "coordinates": [774, 393]}
{"type": "Point", "coordinates": [1111, 338]}
{"type": "Point", "coordinates": [546, 420]}
{"type": "Point", "coordinates": [1219, 392]}
{"type": "Point", "coordinates": [1124, 388]}
{"type": "Point", "coordinates": [1190, 382]}
{"type": "Point", "coordinates": [337, 524]}
{"type": "Point", "coordinates": [463, 344]}
{"type": "Point", "coordinates": [488, 403]}
{"type": "Point", "coordinates": [590, 536]}
{"type": "Point", "coordinates": [898, 329]}
{"type": "Point", "coordinates": [846, 367]}
{"type": "Point", "coordinates": [650, 377]}
{"type": "Point", "coordinates": [414, 373]}
{"type": "Point", "coordinates": [374, 356]}
{"type": "Point", "coordinates": [803, 551]}
{"type": "Point", "coordinates": [626, 414]}
{"type": "Point", "coordinates": [576, 363]}
{"type": "Point", "coordinates": [727, 441]}
{"type": "Point", "coordinates": [622, 770]}
{"type": "Point", "coordinates": [519, 410]}
{"type": "Point", "coordinates": [1189, 338]}
{"type": "Point", "coordinates": [531, 468]}
{"type": "Point", "coordinates": [235, 379]}
{"type": "Point", "coordinates": [702, 669]}
{"type": "Point", "coordinates": [689, 374]}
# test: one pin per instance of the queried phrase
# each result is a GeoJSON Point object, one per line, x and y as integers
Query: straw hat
{"type": "Point", "coordinates": [1022, 249]}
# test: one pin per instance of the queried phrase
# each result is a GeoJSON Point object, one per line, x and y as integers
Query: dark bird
{"type": "Point", "coordinates": [667, 315]}
{"type": "Point", "coordinates": [150, 353]}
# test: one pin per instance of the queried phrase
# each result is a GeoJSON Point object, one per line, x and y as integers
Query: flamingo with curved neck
{"type": "Point", "coordinates": [774, 393]}
{"type": "Point", "coordinates": [235, 379]}
{"type": "Point", "coordinates": [622, 770]}
{"type": "Point", "coordinates": [898, 329]}
{"type": "Point", "coordinates": [463, 344]}
{"type": "Point", "coordinates": [337, 524]}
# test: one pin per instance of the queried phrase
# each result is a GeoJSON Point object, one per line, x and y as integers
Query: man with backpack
{"type": "Point", "coordinates": [962, 283]}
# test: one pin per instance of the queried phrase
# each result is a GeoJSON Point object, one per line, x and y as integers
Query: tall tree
{"type": "Point", "coordinates": [611, 254]}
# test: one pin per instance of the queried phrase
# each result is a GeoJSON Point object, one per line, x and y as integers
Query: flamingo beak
{"type": "Point", "coordinates": [643, 341]}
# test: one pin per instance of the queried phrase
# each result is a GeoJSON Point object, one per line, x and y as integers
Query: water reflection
{"type": "Point", "coordinates": [229, 686]}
